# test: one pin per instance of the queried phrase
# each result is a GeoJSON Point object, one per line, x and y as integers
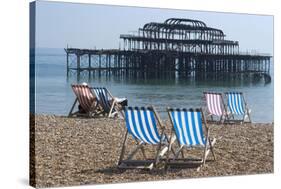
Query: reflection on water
{"type": "Point", "coordinates": [54, 94]}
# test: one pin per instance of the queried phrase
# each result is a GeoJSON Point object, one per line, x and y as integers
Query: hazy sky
{"type": "Point", "coordinates": [100, 26]}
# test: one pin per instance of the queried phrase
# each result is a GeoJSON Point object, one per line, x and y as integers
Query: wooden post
{"type": "Point", "coordinates": [90, 66]}
{"type": "Point", "coordinates": [78, 66]}
{"type": "Point", "coordinates": [67, 64]}
{"type": "Point", "coordinates": [109, 65]}
{"type": "Point", "coordinates": [268, 61]}
{"type": "Point", "coordinates": [99, 65]}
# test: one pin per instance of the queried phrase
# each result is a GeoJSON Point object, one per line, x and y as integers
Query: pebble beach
{"type": "Point", "coordinates": [78, 151]}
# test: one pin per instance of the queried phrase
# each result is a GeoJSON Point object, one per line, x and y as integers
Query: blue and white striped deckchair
{"type": "Point", "coordinates": [237, 106]}
{"type": "Point", "coordinates": [141, 124]}
{"type": "Point", "coordinates": [189, 131]}
{"type": "Point", "coordinates": [107, 102]}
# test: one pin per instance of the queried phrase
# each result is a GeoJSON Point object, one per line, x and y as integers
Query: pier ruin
{"type": "Point", "coordinates": [176, 48]}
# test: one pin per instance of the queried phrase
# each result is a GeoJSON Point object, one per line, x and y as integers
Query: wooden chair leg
{"type": "Point", "coordinates": [249, 117]}
{"type": "Point", "coordinates": [170, 149]}
{"type": "Point", "coordinates": [206, 145]}
{"type": "Point", "coordinates": [172, 140]}
{"type": "Point", "coordinates": [131, 155]}
{"type": "Point", "coordinates": [120, 108]}
{"type": "Point", "coordinates": [159, 148]}
{"type": "Point", "coordinates": [70, 112]}
{"type": "Point", "coordinates": [182, 154]}
{"type": "Point", "coordinates": [111, 109]}
{"type": "Point", "coordinates": [143, 152]}
{"type": "Point", "coordinates": [178, 152]}
{"type": "Point", "coordinates": [212, 149]}
{"type": "Point", "coordinates": [204, 155]}
{"type": "Point", "coordinates": [221, 120]}
{"type": "Point", "coordinates": [123, 149]}
{"type": "Point", "coordinates": [139, 146]}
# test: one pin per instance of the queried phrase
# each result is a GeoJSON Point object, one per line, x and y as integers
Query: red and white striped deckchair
{"type": "Point", "coordinates": [87, 101]}
{"type": "Point", "coordinates": [215, 106]}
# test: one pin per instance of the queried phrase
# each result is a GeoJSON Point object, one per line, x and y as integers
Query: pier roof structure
{"type": "Point", "coordinates": [182, 35]}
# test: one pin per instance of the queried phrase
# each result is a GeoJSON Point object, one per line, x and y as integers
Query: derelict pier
{"type": "Point", "coordinates": [176, 48]}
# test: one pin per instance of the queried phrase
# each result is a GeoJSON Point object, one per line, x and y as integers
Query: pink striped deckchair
{"type": "Point", "coordinates": [215, 106]}
{"type": "Point", "coordinates": [87, 101]}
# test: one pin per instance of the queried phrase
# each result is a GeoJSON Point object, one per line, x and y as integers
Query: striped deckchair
{"type": "Point", "coordinates": [189, 131]}
{"type": "Point", "coordinates": [215, 106]}
{"type": "Point", "coordinates": [108, 103]}
{"type": "Point", "coordinates": [237, 105]}
{"type": "Point", "coordinates": [87, 101]}
{"type": "Point", "coordinates": [141, 124]}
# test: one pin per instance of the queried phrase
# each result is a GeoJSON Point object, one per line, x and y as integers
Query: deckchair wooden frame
{"type": "Point", "coordinates": [247, 111]}
{"type": "Point", "coordinates": [222, 118]}
{"type": "Point", "coordinates": [186, 161]}
{"type": "Point", "coordinates": [129, 163]}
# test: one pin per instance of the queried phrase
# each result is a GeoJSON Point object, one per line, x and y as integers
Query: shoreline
{"type": "Point", "coordinates": [76, 151]}
{"type": "Point", "coordinates": [64, 115]}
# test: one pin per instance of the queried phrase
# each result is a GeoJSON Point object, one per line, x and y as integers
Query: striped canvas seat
{"type": "Point", "coordinates": [188, 129]}
{"type": "Point", "coordinates": [103, 98]}
{"type": "Point", "coordinates": [235, 103]}
{"type": "Point", "coordinates": [214, 103]}
{"type": "Point", "coordinates": [237, 106]}
{"type": "Point", "coordinates": [141, 124]}
{"type": "Point", "coordinates": [85, 97]}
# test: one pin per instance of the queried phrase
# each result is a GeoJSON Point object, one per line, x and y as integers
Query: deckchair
{"type": "Point", "coordinates": [110, 105]}
{"type": "Point", "coordinates": [215, 106]}
{"type": "Point", "coordinates": [87, 101]}
{"type": "Point", "coordinates": [187, 126]}
{"type": "Point", "coordinates": [141, 124]}
{"type": "Point", "coordinates": [237, 105]}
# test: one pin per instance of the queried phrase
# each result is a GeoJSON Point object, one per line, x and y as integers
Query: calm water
{"type": "Point", "coordinates": [54, 94]}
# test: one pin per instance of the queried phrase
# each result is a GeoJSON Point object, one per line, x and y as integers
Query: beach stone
{"type": "Point", "coordinates": [76, 151]}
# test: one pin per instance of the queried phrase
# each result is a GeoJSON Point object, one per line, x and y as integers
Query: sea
{"type": "Point", "coordinates": [53, 93]}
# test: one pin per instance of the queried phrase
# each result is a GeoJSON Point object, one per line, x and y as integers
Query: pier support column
{"type": "Point", "coordinates": [67, 64]}
{"type": "Point", "coordinates": [99, 65]}
{"type": "Point", "coordinates": [90, 66]}
{"type": "Point", "coordinates": [78, 66]}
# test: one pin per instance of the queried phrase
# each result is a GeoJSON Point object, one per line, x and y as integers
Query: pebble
{"type": "Point", "coordinates": [75, 151]}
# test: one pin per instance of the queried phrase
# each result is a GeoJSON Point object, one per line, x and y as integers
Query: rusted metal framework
{"type": "Point", "coordinates": [176, 48]}
{"type": "Point", "coordinates": [181, 35]}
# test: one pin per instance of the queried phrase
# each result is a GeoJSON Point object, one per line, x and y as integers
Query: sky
{"type": "Point", "coordinates": [59, 25]}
